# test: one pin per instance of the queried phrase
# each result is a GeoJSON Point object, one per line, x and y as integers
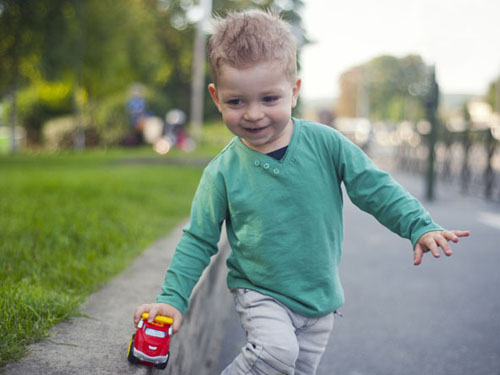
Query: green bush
{"type": "Point", "coordinates": [40, 102]}
{"type": "Point", "coordinates": [59, 133]}
{"type": "Point", "coordinates": [111, 120]}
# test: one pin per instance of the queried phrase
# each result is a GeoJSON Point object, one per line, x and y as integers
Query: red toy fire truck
{"type": "Point", "coordinates": [150, 344]}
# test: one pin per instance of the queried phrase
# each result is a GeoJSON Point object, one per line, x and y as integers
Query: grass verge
{"type": "Point", "coordinates": [69, 223]}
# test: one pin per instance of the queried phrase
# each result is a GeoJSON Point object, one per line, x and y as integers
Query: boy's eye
{"type": "Point", "coordinates": [234, 102]}
{"type": "Point", "coordinates": [270, 99]}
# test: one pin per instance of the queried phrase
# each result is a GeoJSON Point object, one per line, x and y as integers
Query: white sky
{"type": "Point", "coordinates": [461, 37]}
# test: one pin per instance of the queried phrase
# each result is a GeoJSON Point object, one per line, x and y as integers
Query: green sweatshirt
{"type": "Point", "coordinates": [284, 219]}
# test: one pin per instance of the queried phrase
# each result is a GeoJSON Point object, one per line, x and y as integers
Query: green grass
{"type": "Point", "coordinates": [70, 222]}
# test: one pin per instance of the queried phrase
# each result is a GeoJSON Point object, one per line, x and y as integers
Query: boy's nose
{"type": "Point", "coordinates": [253, 113]}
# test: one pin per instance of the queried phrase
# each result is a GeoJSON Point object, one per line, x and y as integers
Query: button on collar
{"type": "Point", "coordinates": [266, 165]}
{"type": "Point", "coordinates": [256, 163]}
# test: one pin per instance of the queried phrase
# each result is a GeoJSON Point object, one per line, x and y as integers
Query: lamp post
{"type": "Point", "coordinates": [431, 101]}
{"type": "Point", "coordinates": [198, 73]}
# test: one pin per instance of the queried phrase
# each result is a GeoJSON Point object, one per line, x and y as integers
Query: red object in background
{"type": "Point", "coordinates": [151, 343]}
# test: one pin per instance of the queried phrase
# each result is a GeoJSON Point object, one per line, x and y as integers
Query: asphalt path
{"type": "Point", "coordinates": [440, 318]}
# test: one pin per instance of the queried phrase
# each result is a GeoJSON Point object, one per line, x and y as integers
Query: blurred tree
{"type": "Point", "coordinates": [385, 87]}
{"type": "Point", "coordinates": [350, 84]}
{"type": "Point", "coordinates": [112, 43]}
{"type": "Point", "coordinates": [20, 24]}
{"type": "Point", "coordinates": [99, 48]}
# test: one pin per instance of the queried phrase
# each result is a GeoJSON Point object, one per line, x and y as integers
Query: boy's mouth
{"type": "Point", "coordinates": [255, 130]}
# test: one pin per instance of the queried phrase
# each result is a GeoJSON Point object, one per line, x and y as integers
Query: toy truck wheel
{"type": "Point", "coordinates": [130, 353]}
{"type": "Point", "coordinates": [163, 366]}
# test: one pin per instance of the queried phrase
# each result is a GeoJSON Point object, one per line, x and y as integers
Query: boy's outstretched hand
{"type": "Point", "coordinates": [154, 309]}
{"type": "Point", "coordinates": [431, 240]}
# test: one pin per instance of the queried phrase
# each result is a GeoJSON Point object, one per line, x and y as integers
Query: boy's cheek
{"type": "Point", "coordinates": [229, 119]}
{"type": "Point", "coordinates": [230, 127]}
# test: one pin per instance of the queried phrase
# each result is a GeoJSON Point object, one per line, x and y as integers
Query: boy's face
{"type": "Point", "coordinates": [256, 104]}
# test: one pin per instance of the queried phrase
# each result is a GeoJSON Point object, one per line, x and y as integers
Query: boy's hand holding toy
{"type": "Point", "coordinates": [154, 309]}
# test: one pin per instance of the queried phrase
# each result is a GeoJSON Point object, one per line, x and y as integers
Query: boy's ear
{"type": "Point", "coordinates": [295, 92]}
{"type": "Point", "coordinates": [213, 93]}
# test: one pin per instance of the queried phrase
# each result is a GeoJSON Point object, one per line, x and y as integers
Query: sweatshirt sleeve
{"type": "Point", "coordinates": [197, 245]}
{"type": "Point", "coordinates": [374, 191]}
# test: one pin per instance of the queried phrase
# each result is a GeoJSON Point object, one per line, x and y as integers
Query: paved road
{"type": "Point", "coordinates": [441, 318]}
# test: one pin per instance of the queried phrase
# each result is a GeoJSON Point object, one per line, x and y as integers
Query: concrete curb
{"type": "Point", "coordinates": [97, 342]}
{"type": "Point", "coordinates": [196, 349]}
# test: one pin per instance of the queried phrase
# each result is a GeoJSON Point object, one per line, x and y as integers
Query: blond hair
{"type": "Point", "coordinates": [243, 39]}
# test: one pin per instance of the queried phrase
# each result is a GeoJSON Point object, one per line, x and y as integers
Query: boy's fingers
{"type": "Point", "coordinates": [434, 250]}
{"type": "Point", "coordinates": [433, 240]}
{"type": "Point", "coordinates": [138, 313]}
{"type": "Point", "coordinates": [417, 255]}
{"type": "Point", "coordinates": [176, 316]}
{"type": "Point", "coordinates": [152, 313]}
{"type": "Point", "coordinates": [442, 241]}
{"type": "Point", "coordinates": [430, 244]}
{"type": "Point", "coordinates": [460, 233]}
{"type": "Point", "coordinates": [453, 235]}
{"type": "Point", "coordinates": [450, 235]}
{"type": "Point", "coordinates": [177, 323]}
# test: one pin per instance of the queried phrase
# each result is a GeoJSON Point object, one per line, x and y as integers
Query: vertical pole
{"type": "Point", "coordinates": [198, 78]}
{"type": "Point", "coordinates": [13, 120]}
{"type": "Point", "coordinates": [497, 95]}
{"type": "Point", "coordinates": [431, 105]}
{"type": "Point", "coordinates": [79, 135]}
{"type": "Point", "coordinates": [13, 109]}
{"type": "Point", "coordinates": [466, 148]}
{"type": "Point", "coordinates": [488, 173]}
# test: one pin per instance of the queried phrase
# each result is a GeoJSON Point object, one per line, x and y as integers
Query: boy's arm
{"type": "Point", "coordinates": [192, 255]}
{"type": "Point", "coordinates": [430, 241]}
{"type": "Point", "coordinates": [375, 192]}
{"type": "Point", "coordinates": [196, 246]}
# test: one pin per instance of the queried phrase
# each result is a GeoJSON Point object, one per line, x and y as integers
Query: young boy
{"type": "Point", "coordinates": [276, 186]}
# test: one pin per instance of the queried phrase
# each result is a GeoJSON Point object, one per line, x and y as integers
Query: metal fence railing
{"type": "Point", "coordinates": [469, 159]}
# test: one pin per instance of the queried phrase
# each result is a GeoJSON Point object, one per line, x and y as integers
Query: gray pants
{"type": "Point", "coordinates": [279, 340]}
